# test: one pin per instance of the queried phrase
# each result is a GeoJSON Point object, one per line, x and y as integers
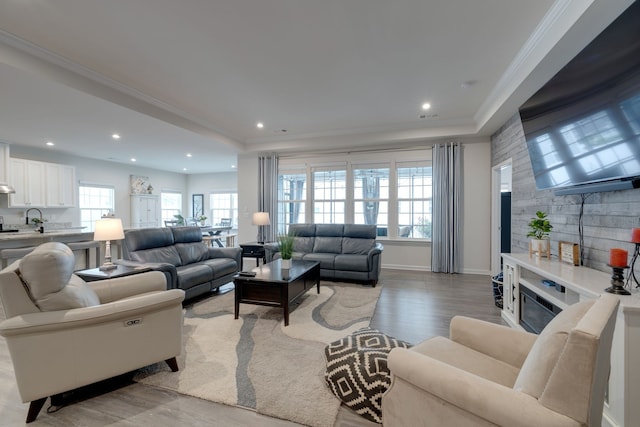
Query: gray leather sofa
{"type": "Point", "coordinates": [182, 256]}
{"type": "Point", "coordinates": [345, 252]}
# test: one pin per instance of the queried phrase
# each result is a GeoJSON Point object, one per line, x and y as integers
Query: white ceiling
{"type": "Point", "coordinates": [195, 76]}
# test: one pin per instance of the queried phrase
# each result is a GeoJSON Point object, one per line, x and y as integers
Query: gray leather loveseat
{"type": "Point", "coordinates": [345, 252]}
{"type": "Point", "coordinates": [182, 256]}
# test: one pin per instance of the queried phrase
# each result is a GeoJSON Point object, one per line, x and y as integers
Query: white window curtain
{"type": "Point", "coordinates": [446, 243]}
{"type": "Point", "coordinates": [268, 193]}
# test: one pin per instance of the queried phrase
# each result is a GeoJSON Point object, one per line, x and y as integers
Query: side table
{"type": "Point", "coordinates": [253, 250]}
{"type": "Point", "coordinates": [94, 274]}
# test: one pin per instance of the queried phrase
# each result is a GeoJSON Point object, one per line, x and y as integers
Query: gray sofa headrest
{"type": "Point", "coordinates": [186, 234]}
{"type": "Point", "coordinates": [146, 238]}
{"type": "Point", "coordinates": [360, 231]}
{"type": "Point", "coordinates": [303, 230]}
{"type": "Point", "coordinates": [329, 230]}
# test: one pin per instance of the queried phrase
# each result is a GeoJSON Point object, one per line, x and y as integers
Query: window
{"type": "Point", "coordinates": [375, 188]}
{"type": "Point", "coordinates": [95, 201]}
{"type": "Point", "coordinates": [329, 196]}
{"type": "Point", "coordinates": [292, 194]}
{"type": "Point", "coordinates": [224, 206]}
{"type": "Point", "coordinates": [170, 205]}
{"type": "Point", "coordinates": [414, 200]}
{"type": "Point", "coordinates": [371, 196]}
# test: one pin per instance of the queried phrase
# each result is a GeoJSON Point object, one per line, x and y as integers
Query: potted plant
{"type": "Point", "coordinates": [202, 219]}
{"type": "Point", "coordinates": [39, 223]}
{"type": "Point", "coordinates": [285, 242]}
{"type": "Point", "coordinates": [179, 218]}
{"type": "Point", "coordinates": [539, 229]}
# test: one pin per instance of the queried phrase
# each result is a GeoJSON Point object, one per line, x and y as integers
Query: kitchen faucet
{"type": "Point", "coordinates": [41, 229]}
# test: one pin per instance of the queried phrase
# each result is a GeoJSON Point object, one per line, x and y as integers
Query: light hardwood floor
{"type": "Point", "coordinates": [413, 306]}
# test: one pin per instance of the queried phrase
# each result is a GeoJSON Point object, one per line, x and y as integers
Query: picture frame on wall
{"type": "Point", "coordinates": [198, 205]}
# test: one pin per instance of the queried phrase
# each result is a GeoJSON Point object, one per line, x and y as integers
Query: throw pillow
{"type": "Point", "coordinates": [357, 371]}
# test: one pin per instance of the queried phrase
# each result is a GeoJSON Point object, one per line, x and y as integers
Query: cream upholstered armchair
{"type": "Point", "coordinates": [63, 333]}
{"type": "Point", "coordinates": [492, 375]}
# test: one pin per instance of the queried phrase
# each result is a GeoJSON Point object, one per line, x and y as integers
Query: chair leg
{"type": "Point", "coordinates": [34, 409]}
{"type": "Point", "coordinates": [173, 364]}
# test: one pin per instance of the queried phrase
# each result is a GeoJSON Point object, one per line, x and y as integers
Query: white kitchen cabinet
{"type": "Point", "coordinates": [145, 210]}
{"type": "Point", "coordinates": [28, 179]}
{"type": "Point", "coordinates": [60, 185]}
{"type": "Point", "coordinates": [582, 283]}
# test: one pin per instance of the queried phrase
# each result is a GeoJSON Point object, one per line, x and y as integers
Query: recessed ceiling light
{"type": "Point", "coordinates": [260, 125]}
{"type": "Point", "coordinates": [188, 154]}
{"type": "Point", "coordinates": [233, 166]}
{"type": "Point", "coordinates": [50, 144]}
{"type": "Point", "coordinates": [115, 136]}
{"type": "Point", "coordinates": [133, 159]}
{"type": "Point", "coordinates": [184, 169]}
{"type": "Point", "coordinates": [426, 106]}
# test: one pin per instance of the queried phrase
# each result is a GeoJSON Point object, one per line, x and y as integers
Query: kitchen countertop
{"type": "Point", "coordinates": [32, 233]}
{"type": "Point", "coordinates": [25, 238]}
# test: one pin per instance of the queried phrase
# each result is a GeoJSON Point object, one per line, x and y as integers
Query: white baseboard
{"type": "Point", "coordinates": [406, 267]}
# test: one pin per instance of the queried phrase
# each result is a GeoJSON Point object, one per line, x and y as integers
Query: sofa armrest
{"type": "Point", "coordinates": [124, 287]}
{"type": "Point", "coordinates": [470, 393]}
{"type": "Point", "coordinates": [49, 321]}
{"type": "Point", "coordinates": [233, 253]}
{"type": "Point", "coordinates": [498, 341]}
{"type": "Point", "coordinates": [270, 249]}
{"type": "Point", "coordinates": [169, 270]}
{"type": "Point", "coordinates": [376, 249]}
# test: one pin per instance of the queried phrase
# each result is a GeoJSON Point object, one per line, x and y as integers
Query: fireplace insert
{"type": "Point", "coordinates": [535, 311]}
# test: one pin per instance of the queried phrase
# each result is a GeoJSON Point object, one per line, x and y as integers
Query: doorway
{"type": "Point", "coordinates": [500, 214]}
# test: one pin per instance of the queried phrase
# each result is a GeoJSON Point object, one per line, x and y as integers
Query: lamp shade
{"type": "Point", "coordinates": [260, 218]}
{"type": "Point", "coordinates": [108, 229]}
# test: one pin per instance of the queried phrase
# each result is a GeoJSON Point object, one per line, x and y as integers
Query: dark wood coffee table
{"type": "Point", "coordinates": [269, 287]}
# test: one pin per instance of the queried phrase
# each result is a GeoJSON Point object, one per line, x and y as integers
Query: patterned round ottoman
{"type": "Point", "coordinates": [357, 370]}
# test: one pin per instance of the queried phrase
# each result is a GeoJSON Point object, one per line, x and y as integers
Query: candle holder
{"type": "Point", "coordinates": [632, 271]}
{"type": "Point", "coordinates": [617, 281]}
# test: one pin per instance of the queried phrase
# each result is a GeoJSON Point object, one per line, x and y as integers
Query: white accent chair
{"type": "Point", "coordinates": [109, 327]}
{"type": "Point", "coordinates": [492, 375]}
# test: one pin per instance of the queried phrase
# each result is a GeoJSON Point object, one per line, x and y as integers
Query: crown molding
{"type": "Point", "coordinates": [560, 17]}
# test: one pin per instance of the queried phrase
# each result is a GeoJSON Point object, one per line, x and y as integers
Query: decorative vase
{"type": "Point", "coordinates": [203, 223]}
{"type": "Point", "coordinates": [285, 264]}
{"type": "Point", "coordinates": [541, 247]}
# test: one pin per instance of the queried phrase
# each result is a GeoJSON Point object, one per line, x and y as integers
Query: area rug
{"type": "Point", "coordinates": [256, 362]}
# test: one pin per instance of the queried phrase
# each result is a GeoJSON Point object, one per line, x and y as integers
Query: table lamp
{"type": "Point", "coordinates": [261, 219]}
{"type": "Point", "coordinates": [108, 229]}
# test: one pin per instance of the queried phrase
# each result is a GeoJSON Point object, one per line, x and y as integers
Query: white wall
{"type": "Point", "coordinates": [247, 196]}
{"type": "Point", "coordinates": [207, 183]}
{"type": "Point", "coordinates": [477, 208]}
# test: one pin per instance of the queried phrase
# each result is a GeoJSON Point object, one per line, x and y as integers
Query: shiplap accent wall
{"type": "Point", "coordinates": [608, 217]}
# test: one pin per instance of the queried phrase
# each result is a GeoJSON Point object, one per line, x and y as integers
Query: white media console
{"type": "Point", "coordinates": [622, 405]}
